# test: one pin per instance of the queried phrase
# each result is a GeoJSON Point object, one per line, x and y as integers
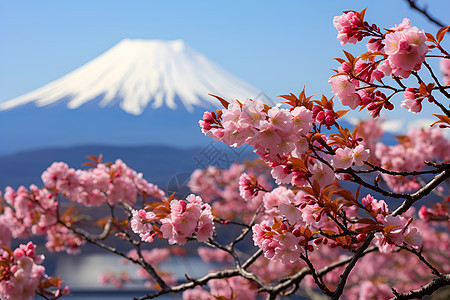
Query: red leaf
{"type": "Point", "coordinates": [350, 57]}
{"type": "Point", "coordinates": [430, 38]}
{"type": "Point", "coordinates": [341, 113]}
{"type": "Point", "coordinates": [223, 101]}
{"type": "Point", "coordinates": [362, 13]}
{"type": "Point", "coordinates": [441, 33]}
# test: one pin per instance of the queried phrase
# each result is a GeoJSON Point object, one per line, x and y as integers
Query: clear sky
{"type": "Point", "coordinates": [277, 46]}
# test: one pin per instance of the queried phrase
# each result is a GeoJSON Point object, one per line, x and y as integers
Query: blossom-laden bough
{"type": "Point", "coordinates": [324, 209]}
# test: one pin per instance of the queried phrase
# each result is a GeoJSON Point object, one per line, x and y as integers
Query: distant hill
{"type": "Point", "coordinates": [161, 165]}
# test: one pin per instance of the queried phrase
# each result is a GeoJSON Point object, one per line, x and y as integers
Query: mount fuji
{"type": "Point", "coordinates": [138, 92]}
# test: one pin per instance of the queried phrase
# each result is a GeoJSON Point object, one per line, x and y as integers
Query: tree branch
{"type": "Point", "coordinates": [149, 268]}
{"type": "Point", "coordinates": [438, 179]}
{"type": "Point", "coordinates": [423, 11]}
{"type": "Point", "coordinates": [427, 289]}
{"type": "Point", "coordinates": [360, 253]}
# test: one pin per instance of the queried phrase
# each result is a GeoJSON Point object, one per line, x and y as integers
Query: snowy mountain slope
{"type": "Point", "coordinates": [141, 73]}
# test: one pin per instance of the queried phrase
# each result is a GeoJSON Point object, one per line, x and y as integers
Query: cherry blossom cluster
{"type": "Point", "coordinates": [280, 138]}
{"type": "Point", "coordinates": [402, 46]}
{"type": "Point", "coordinates": [279, 130]}
{"type": "Point", "coordinates": [438, 212]}
{"type": "Point", "coordinates": [29, 212]}
{"type": "Point", "coordinates": [182, 220]}
{"type": "Point", "coordinates": [417, 146]}
{"type": "Point", "coordinates": [398, 52]}
{"type": "Point", "coordinates": [101, 184]}
{"type": "Point", "coordinates": [309, 211]}
{"type": "Point", "coordinates": [22, 275]}
{"type": "Point", "coordinates": [397, 230]}
{"type": "Point", "coordinates": [35, 212]}
{"type": "Point", "coordinates": [233, 193]}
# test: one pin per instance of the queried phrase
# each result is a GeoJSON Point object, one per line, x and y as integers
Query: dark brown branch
{"type": "Point", "coordinates": [441, 89]}
{"type": "Point", "coordinates": [248, 229]}
{"type": "Point", "coordinates": [298, 277]}
{"type": "Point", "coordinates": [404, 173]}
{"type": "Point", "coordinates": [204, 280]}
{"type": "Point", "coordinates": [427, 289]}
{"type": "Point", "coordinates": [193, 283]}
{"type": "Point", "coordinates": [149, 268]}
{"type": "Point", "coordinates": [317, 279]}
{"type": "Point", "coordinates": [423, 11]}
{"type": "Point", "coordinates": [438, 179]}
{"type": "Point", "coordinates": [360, 253]}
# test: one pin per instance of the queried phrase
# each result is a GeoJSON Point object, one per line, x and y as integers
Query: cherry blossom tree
{"type": "Point", "coordinates": [324, 209]}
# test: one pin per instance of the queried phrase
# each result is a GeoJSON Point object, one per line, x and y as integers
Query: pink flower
{"type": "Point", "coordinates": [205, 225]}
{"type": "Point", "coordinates": [343, 158]}
{"type": "Point", "coordinates": [248, 187]}
{"type": "Point", "coordinates": [413, 238]}
{"type": "Point", "coordinates": [292, 214]}
{"type": "Point", "coordinates": [140, 222]}
{"type": "Point", "coordinates": [252, 113]}
{"type": "Point", "coordinates": [444, 65]}
{"type": "Point", "coordinates": [360, 154]}
{"type": "Point", "coordinates": [372, 204]}
{"type": "Point", "coordinates": [348, 26]}
{"type": "Point", "coordinates": [281, 174]}
{"type": "Point", "coordinates": [405, 24]}
{"type": "Point", "coordinates": [22, 275]}
{"type": "Point", "coordinates": [5, 232]}
{"type": "Point", "coordinates": [302, 120]}
{"type": "Point", "coordinates": [406, 50]}
{"type": "Point", "coordinates": [281, 119]}
{"type": "Point", "coordinates": [345, 90]}
{"type": "Point", "coordinates": [321, 173]}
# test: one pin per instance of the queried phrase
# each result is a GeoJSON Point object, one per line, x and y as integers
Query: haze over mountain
{"type": "Point", "coordinates": [137, 93]}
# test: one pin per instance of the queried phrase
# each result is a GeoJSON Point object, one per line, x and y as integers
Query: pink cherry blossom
{"type": "Point", "coordinates": [348, 25]}
{"type": "Point", "coordinates": [343, 158]}
{"type": "Point", "coordinates": [360, 154]}
{"type": "Point", "coordinates": [406, 50]}
{"type": "Point", "coordinates": [345, 90]}
{"type": "Point", "coordinates": [444, 65]}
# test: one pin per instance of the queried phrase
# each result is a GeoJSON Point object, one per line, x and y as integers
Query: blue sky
{"type": "Point", "coordinates": [277, 46]}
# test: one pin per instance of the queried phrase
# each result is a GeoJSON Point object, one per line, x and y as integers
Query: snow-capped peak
{"type": "Point", "coordinates": [137, 73]}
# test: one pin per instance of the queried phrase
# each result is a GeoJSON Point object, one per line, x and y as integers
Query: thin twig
{"type": "Point", "coordinates": [422, 259]}
{"type": "Point", "coordinates": [423, 11]}
{"type": "Point", "coordinates": [149, 268]}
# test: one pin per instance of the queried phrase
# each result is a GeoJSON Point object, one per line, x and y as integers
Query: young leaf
{"type": "Point", "coordinates": [430, 37]}
{"type": "Point", "coordinates": [441, 33]}
{"type": "Point", "coordinates": [341, 113]}
{"type": "Point", "coordinates": [223, 101]}
{"type": "Point", "coordinates": [442, 119]}
{"type": "Point", "coordinates": [350, 57]}
{"type": "Point", "coordinates": [362, 13]}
